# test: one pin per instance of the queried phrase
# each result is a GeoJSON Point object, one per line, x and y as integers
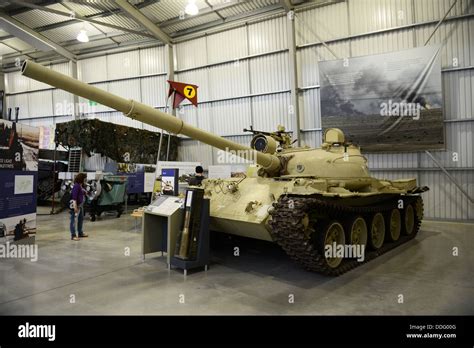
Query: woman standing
{"type": "Point", "coordinates": [77, 207]}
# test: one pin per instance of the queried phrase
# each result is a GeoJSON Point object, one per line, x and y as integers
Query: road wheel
{"type": "Point", "coordinates": [394, 224]}
{"type": "Point", "coordinates": [409, 220]}
{"type": "Point", "coordinates": [356, 231]}
{"type": "Point", "coordinates": [377, 231]}
{"type": "Point", "coordinates": [333, 238]}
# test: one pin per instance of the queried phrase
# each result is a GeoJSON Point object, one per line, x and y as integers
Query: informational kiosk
{"type": "Point", "coordinates": [160, 227]}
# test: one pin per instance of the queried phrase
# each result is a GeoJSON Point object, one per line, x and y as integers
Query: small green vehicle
{"type": "Point", "coordinates": [106, 194]}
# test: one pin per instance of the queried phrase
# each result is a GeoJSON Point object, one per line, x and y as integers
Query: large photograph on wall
{"type": "Point", "coordinates": [19, 147]}
{"type": "Point", "coordinates": [387, 102]}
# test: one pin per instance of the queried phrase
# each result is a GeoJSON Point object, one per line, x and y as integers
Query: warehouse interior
{"type": "Point", "coordinates": [256, 64]}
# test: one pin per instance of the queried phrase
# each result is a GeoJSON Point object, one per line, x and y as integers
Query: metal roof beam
{"type": "Point", "coordinates": [93, 25]}
{"type": "Point", "coordinates": [89, 19]}
{"type": "Point", "coordinates": [213, 9]}
{"type": "Point", "coordinates": [93, 38]}
{"type": "Point", "coordinates": [16, 50]}
{"type": "Point", "coordinates": [98, 6]}
{"type": "Point", "coordinates": [143, 20]}
{"type": "Point", "coordinates": [18, 11]}
{"type": "Point", "coordinates": [287, 5]}
{"type": "Point", "coordinates": [76, 17]}
{"type": "Point", "coordinates": [241, 16]}
{"type": "Point", "coordinates": [203, 12]}
{"type": "Point", "coordinates": [32, 37]}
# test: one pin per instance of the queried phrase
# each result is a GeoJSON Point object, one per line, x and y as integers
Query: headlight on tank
{"type": "Point", "coordinates": [264, 143]}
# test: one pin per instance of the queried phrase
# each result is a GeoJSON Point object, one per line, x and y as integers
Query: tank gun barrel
{"type": "Point", "coordinates": [145, 114]}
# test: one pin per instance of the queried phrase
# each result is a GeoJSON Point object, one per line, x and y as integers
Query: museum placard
{"type": "Point", "coordinates": [19, 146]}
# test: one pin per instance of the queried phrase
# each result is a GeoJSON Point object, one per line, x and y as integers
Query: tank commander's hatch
{"type": "Point", "coordinates": [333, 136]}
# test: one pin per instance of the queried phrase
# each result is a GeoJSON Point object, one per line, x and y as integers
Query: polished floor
{"type": "Point", "coordinates": [95, 276]}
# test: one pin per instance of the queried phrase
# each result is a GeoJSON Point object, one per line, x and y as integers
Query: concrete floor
{"type": "Point", "coordinates": [259, 281]}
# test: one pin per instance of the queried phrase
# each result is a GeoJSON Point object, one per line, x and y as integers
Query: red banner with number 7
{"type": "Point", "coordinates": [181, 91]}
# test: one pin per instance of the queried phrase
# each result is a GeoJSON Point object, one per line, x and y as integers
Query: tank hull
{"type": "Point", "coordinates": [246, 211]}
{"type": "Point", "coordinates": [241, 228]}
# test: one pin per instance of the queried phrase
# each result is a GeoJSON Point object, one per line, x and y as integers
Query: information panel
{"type": "Point", "coordinates": [19, 146]}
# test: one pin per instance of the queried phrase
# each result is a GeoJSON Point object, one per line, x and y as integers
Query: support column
{"type": "Point", "coordinates": [3, 99]}
{"type": "Point", "coordinates": [169, 56]}
{"type": "Point", "coordinates": [170, 68]}
{"type": "Point", "coordinates": [293, 108]}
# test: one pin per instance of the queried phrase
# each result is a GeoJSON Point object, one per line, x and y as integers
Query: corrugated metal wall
{"type": "Point", "coordinates": [243, 77]}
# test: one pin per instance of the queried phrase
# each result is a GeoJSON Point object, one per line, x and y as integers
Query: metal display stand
{"type": "Point", "coordinates": [160, 226]}
{"type": "Point", "coordinates": [203, 255]}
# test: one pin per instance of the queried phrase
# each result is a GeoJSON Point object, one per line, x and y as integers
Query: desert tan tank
{"type": "Point", "coordinates": [320, 205]}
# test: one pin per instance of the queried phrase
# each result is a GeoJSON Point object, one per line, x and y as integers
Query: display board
{"type": "Point", "coordinates": [385, 102]}
{"type": "Point", "coordinates": [185, 168]}
{"type": "Point", "coordinates": [169, 181]}
{"type": "Point", "coordinates": [46, 137]}
{"type": "Point", "coordinates": [136, 182]}
{"type": "Point", "coordinates": [139, 182]}
{"type": "Point", "coordinates": [19, 147]}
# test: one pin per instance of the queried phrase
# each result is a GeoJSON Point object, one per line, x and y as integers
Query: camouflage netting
{"type": "Point", "coordinates": [113, 141]}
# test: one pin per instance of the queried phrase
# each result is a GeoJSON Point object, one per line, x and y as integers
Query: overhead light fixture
{"type": "Point", "coordinates": [82, 36]}
{"type": "Point", "coordinates": [191, 8]}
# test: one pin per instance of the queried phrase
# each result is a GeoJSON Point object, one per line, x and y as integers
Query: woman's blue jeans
{"type": "Point", "coordinates": [80, 219]}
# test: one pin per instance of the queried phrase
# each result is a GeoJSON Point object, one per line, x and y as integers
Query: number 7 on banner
{"type": "Point", "coordinates": [181, 91]}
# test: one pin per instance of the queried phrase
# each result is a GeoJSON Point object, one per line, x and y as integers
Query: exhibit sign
{"type": "Point", "coordinates": [185, 168]}
{"type": "Point", "coordinates": [17, 205]}
{"type": "Point", "coordinates": [19, 147]}
{"type": "Point", "coordinates": [385, 102]}
{"type": "Point", "coordinates": [135, 182]}
{"type": "Point", "coordinates": [46, 137]}
{"type": "Point", "coordinates": [169, 181]}
{"type": "Point", "coordinates": [139, 182]}
{"type": "Point", "coordinates": [149, 183]}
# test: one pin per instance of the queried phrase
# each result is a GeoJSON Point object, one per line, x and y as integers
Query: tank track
{"type": "Point", "coordinates": [289, 231]}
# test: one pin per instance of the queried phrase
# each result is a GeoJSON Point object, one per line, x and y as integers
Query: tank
{"type": "Point", "coordinates": [321, 205]}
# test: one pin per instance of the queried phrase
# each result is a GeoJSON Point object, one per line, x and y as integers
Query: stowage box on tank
{"type": "Point", "coordinates": [319, 204]}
